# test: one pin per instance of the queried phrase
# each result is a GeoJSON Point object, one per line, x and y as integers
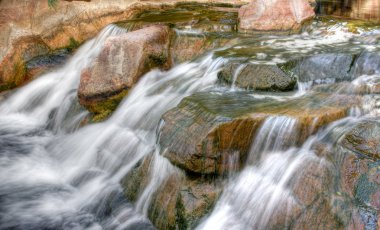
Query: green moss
{"type": "Point", "coordinates": [52, 3]}
{"type": "Point", "coordinates": [159, 60]}
{"type": "Point", "coordinates": [19, 70]}
{"type": "Point", "coordinates": [6, 87]}
{"type": "Point", "coordinates": [181, 221]}
{"type": "Point", "coordinates": [103, 109]}
{"type": "Point", "coordinates": [73, 44]}
{"type": "Point", "coordinates": [288, 67]}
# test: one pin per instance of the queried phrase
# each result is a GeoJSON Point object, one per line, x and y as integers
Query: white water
{"type": "Point", "coordinates": [263, 193]}
{"type": "Point", "coordinates": [56, 175]}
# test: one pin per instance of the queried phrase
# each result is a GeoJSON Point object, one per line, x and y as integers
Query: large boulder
{"type": "Point", "coordinates": [257, 77]}
{"type": "Point", "coordinates": [120, 64]}
{"type": "Point", "coordinates": [210, 133]}
{"type": "Point", "coordinates": [275, 15]}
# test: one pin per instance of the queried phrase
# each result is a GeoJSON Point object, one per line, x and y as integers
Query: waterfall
{"type": "Point", "coordinates": [261, 192]}
{"type": "Point", "coordinates": [55, 174]}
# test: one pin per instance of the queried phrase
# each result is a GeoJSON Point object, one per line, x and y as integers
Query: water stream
{"type": "Point", "coordinates": [56, 172]}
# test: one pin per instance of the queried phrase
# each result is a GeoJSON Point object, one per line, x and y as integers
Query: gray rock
{"type": "Point", "coordinates": [257, 77]}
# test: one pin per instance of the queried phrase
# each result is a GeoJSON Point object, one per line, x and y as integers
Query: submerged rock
{"type": "Point", "coordinates": [210, 133]}
{"type": "Point", "coordinates": [328, 67]}
{"type": "Point", "coordinates": [179, 202]}
{"type": "Point", "coordinates": [120, 64]}
{"type": "Point", "coordinates": [257, 77]}
{"type": "Point", "coordinates": [279, 15]}
{"type": "Point", "coordinates": [366, 64]}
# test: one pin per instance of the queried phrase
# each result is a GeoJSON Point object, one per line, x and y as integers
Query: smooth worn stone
{"type": "Point", "coordinates": [364, 139]}
{"type": "Point", "coordinates": [121, 63]}
{"type": "Point", "coordinates": [257, 77]}
{"type": "Point", "coordinates": [13, 69]}
{"type": "Point", "coordinates": [205, 130]}
{"type": "Point", "coordinates": [275, 15]}
{"type": "Point", "coordinates": [322, 68]}
{"type": "Point", "coordinates": [187, 47]}
{"type": "Point", "coordinates": [311, 182]}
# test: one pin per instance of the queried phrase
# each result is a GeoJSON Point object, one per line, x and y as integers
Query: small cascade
{"type": "Point", "coordinates": [58, 173]}
{"type": "Point", "coordinates": [39, 98]}
{"type": "Point", "coordinates": [82, 167]}
{"type": "Point", "coordinates": [263, 195]}
{"type": "Point", "coordinates": [236, 75]}
{"type": "Point", "coordinates": [276, 133]}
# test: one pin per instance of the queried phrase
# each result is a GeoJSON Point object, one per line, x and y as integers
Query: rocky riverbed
{"type": "Point", "coordinates": [184, 115]}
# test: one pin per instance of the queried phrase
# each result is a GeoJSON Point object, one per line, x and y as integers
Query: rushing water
{"type": "Point", "coordinates": [56, 174]}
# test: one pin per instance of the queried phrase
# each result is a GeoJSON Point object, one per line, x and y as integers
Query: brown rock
{"type": "Point", "coordinates": [318, 216]}
{"type": "Point", "coordinates": [314, 179]}
{"type": "Point", "coordinates": [275, 15]}
{"type": "Point", "coordinates": [179, 203]}
{"type": "Point", "coordinates": [120, 64]}
{"type": "Point", "coordinates": [210, 133]}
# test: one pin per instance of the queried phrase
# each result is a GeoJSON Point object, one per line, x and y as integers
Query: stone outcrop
{"type": "Point", "coordinates": [25, 24]}
{"type": "Point", "coordinates": [275, 15]}
{"type": "Point", "coordinates": [257, 77]}
{"type": "Point", "coordinates": [120, 64]}
{"type": "Point", "coordinates": [209, 133]}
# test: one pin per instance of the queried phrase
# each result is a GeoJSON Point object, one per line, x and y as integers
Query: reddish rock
{"type": "Point", "coordinates": [121, 63]}
{"type": "Point", "coordinates": [275, 15]}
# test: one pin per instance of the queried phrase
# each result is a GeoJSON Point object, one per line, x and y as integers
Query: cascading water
{"type": "Point", "coordinates": [56, 174]}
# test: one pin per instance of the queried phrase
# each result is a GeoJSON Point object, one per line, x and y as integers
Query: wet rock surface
{"type": "Point", "coordinates": [42, 64]}
{"type": "Point", "coordinates": [364, 139]}
{"type": "Point", "coordinates": [324, 67]}
{"type": "Point", "coordinates": [368, 63]}
{"type": "Point", "coordinates": [179, 202]}
{"type": "Point", "coordinates": [257, 77]}
{"type": "Point", "coordinates": [120, 64]}
{"type": "Point", "coordinates": [207, 129]}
